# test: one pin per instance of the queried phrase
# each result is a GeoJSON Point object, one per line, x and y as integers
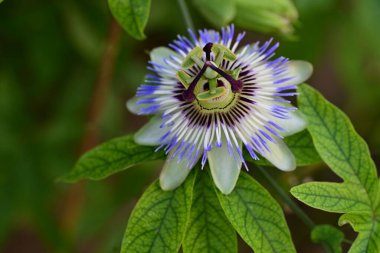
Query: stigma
{"type": "Point", "coordinates": [220, 83]}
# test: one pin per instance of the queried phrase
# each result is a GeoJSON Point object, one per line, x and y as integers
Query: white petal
{"type": "Point", "coordinates": [280, 155]}
{"type": "Point", "coordinates": [300, 71]}
{"type": "Point", "coordinates": [294, 124]}
{"type": "Point", "coordinates": [132, 105]}
{"type": "Point", "coordinates": [174, 173]}
{"type": "Point", "coordinates": [224, 168]}
{"type": "Point", "coordinates": [159, 54]}
{"type": "Point", "coordinates": [151, 132]}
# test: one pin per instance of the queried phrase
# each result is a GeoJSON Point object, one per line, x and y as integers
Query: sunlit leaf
{"type": "Point", "coordinates": [158, 221]}
{"type": "Point", "coordinates": [335, 139]}
{"type": "Point", "coordinates": [257, 217]}
{"type": "Point", "coordinates": [346, 153]}
{"type": "Point", "coordinates": [208, 229]}
{"type": "Point", "coordinates": [333, 197]}
{"type": "Point", "coordinates": [132, 15]}
{"type": "Point", "coordinates": [111, 157]}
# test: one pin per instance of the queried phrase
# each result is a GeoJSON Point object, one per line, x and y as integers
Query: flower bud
{"type": "Point", "coordinates": [266, 16]}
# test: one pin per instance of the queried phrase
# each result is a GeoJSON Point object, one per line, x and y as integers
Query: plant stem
{"type": "Point", "coordinates": [75, 195]}
{"type": "Point", "coordinates": [103, 82]}
{"type": "Point", "coordinates": [285, 197]}
{"type": "Point", "coordinates": [347, 241]}
{"type": "Point", "coordinates": [186, 14]}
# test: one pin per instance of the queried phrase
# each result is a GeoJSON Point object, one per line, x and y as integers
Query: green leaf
{"type": "Point", "coordinates": [332, 197]}
{"type": "Point", "coordinates": [329, 235]}
{"type": "Point", "coordinates": [208, 228]}
{"type": "Point", "coordinates": [346, 153]}
{"type": "Point", "coordinates": [217, 12]}
{"type": "Point", "coordinates": [368, 226]}
{"type": "Point", "coordinates": [158, 221]}
{"type": "Point", "coordinates": [357, 221]}
{"type": "Point", "coordinates": [257, 217]}
{"type": "Point", "coordinates": [302, 148]}
{"type": "Point", "coordinates": [132, 15]}
{"type": "Point", "coordinates": [111, 157]}
{"type": "Point", "coordinates": [336, 141]}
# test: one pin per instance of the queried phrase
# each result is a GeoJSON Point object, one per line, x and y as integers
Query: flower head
{"type": "Point", "coordinates": [210, 98]}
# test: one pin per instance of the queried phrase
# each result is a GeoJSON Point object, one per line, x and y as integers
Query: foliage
{"type": "Point", "coordinates": [51, 56]}
{"type": "Point", "coordinates": [257, 217]}
{"type": "Point", "coordinates": [208, 229]}
{"type": "Point", "coordinates": [110, 157]}
{"type": "Point", "coordinates": [132, 15]}
{"type": "Point", "coordinates": [158, 222]}
{"type": "Point", "coordinates": [347, 154]}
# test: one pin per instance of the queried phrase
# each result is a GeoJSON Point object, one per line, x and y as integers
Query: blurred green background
{"type": "Point", "coordinates": [66, 70]}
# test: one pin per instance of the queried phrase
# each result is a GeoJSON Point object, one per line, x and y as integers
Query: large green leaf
{"type": "Point", "coordinates": [335, 139]}
{"type": "Point", "coordinates": [158, 221]}
{"type": "Point", "coordinates": [333, 197]}
{"type": "Point", "coordinates": [257, 217]}
{"type": "Point", "coordinates": [132, 15]}
{"type": "Point", "coordinates": [111, 157]}
{"type": "Point", "coordinates": [208, 229]}
{"type": "Point", "coordinates": [346, 153]}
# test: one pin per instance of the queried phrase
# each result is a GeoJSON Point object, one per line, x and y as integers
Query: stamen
{"type": "Point", "coordinates": [236, 85]}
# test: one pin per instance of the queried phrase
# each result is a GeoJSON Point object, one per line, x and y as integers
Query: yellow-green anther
{"type": "Point", "coordinates": [227, 54]}
{"type": "Point", "coordinates": [219, 58]}
{"type": "Point", "coordinates": [235, 73]}
{"type": "Point", "coordinates": [196, 53]}
{"type": "Point", "coordinates": [184, 78]}
{"type": "Point", "coordinates": [197, 61]}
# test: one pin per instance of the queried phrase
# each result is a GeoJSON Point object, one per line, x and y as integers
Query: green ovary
{"type": "Point", "coordinates": [214, 94]}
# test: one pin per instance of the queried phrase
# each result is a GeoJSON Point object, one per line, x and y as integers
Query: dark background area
{"type": "Point", "coordinates": [66, 71]}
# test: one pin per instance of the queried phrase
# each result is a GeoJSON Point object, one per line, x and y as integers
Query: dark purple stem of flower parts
{"type": "Point", "coordinates": [189, 93]}
{"type": "Point", "coordinates": [236, 85]}
{"type": "Point", "coordinates": [207, 50]}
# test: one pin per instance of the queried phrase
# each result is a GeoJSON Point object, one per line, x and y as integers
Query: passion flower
{"type": "Point", "coordinates": [210, 98]}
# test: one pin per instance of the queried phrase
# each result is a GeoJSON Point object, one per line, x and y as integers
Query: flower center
{"type": "Point", "coordinates": [219, 98]}
{"type": "Point", "coordinates": [212, 87]}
